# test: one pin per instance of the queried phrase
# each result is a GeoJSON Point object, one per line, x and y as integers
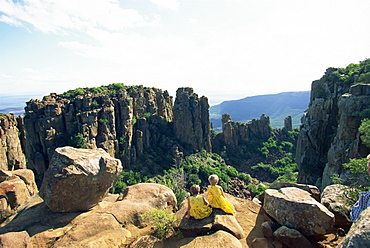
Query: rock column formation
{"type": "Point", "coordinates": [191, 119]}
{"type": "Point", "coordinates": [317, 129]}
{"type": "Point", "coordinates": [347, 142]}
{"type": "Point", "coordinates": [329, 133]}
{"type": "Point", "coordinates": [102, 117]}
{"type": "Point", "coordinates": [234, 132]}
{"type": "Point", "coordinates": [11, 154]}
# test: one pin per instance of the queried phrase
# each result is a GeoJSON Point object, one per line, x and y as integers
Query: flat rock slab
{"type": "Point", "coordinates": [218, 220]}
{"type": "Point", "coordinates": [219, 239]}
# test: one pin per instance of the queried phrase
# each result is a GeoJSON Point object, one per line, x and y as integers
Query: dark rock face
{"type": "Point", "coordinates": [11, 153]}
{"type": "Point", "coordinates": [329, 133]}
{"type": "Point", "coordinates": [77, 179]}
{"type": "Point", "coordinates": [191, 119]}
{"type": "Point", "coordinates": [234, 133]}
{"type": "Point", "coordinates": [103, 121]}
{"type": "Point", "coordinates": [136, 124]}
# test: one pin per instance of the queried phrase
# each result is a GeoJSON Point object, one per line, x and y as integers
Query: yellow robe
{"type": "Point", "coordinates": [198, 209]}
{"type": "Point", "coordinates": [216, 200]}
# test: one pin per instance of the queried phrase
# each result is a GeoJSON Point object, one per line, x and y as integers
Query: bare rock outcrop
{"type": "Point", "coordinates": [16, 187]}
{"type": "Point", "coordinates": [234, 133]}
{"type": "Point", "coordinates": [329, 133]}
{"type": "Point", "coordinates": [291, 238]}
{"type": "Point", "coordinates": [101, 117]}
{"type": "Point", "coordinates": [359, 234]}
{"type": "Point", "coordinates": [346, 143]}
{"type": "Point", "coordinates": [216, 240]}
{"type": "Point", "coordinates": [191, 121]}
{"type": "Point", "coordinates": [11, 153]}
{"type": "Point", "coordinates": [335, 198]}
{"type": "Point", "coordinates": [295, 208]}
{"type": "Point", "coordinates": [15, 240]}
{"type": "Point", "coordinates": [77, 179]}
{"type": "Point", "coordinates": [139, 198]}
{"type": "Point", "coordinates": [104, 225]}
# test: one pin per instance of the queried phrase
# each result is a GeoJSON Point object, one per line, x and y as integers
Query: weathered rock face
{"type": "Point", "coordinates": [234, 133]}
{"type": "Point", "coordinates": [15, 239]}
{"type": "Point", "coordinates": [11, 154]}
{"type": "Point", "coordinates": [347, 143]}
{"type": "Point", "coordinates": [288, 126]}
{"type": "Point", "coordinates": [291, 238]}
{"type": "Point", "coordinates": [16, 187]}
{"type": "Point", "coordinates": [95, 120]}
{"type": "Point", "coordinates": [359, 234]}
{"type": "Point", "coordinates": [329, 132]}
{"type": "Point", "coordinates": [191, 119]}
{"type": "Point", "coordinates": [77, 179]}
{"type": "Point", "coordinates": [218, 239]}
{"type": "Point", "coordinates": [335, 199]}
{"type": "Point", "coordinates": [295, 208]}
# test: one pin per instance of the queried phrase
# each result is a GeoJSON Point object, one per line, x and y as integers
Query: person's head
{"type": "Point", "coordinates": [368, 164]}
{"type": "Point", "coordinates": [194, 189]}
{"type": "Point", "coordinates": [213, 179]}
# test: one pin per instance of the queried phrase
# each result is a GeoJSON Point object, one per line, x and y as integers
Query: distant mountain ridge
{"type": "Point", "coordinates": [276, 106]}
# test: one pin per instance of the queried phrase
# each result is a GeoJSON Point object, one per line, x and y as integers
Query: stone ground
{"type": "Point", "coordinates": [249, 215]}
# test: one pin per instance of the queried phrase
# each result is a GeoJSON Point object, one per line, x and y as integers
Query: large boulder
{"type": "Point", "coordinates": [15, 240]}
{"type": "Point", "coordinates": [15, 191]}
{"type": "Point", "coordinates": [216, 240]}
{"type": "Point", "coordinates": [77, 179]}
{"type": "Point", "coordinates": [359, 234]}
{"type": "Point", "coordinates": [312, 189]}
{"type": "Point", "coordinates": [291, 238]}
{"type": "Point", "coordinates": [93, 230]}
{"type": "Point", "coordinates": [335, 198]}
{"type": "Point", "coordinates": [137, 199]}
{"type": "Point", "coordinates": [295, 208]}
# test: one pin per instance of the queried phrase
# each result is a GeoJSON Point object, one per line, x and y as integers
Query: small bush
{"type": "Point", "coordinates": [162, 219]}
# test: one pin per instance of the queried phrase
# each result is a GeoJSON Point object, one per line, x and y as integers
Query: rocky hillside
{"type": "Point", "coordinates": [329, 134]}
{"type": "Point", "coordinates": [133, 123]}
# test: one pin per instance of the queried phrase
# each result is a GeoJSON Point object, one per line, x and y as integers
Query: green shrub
{"type": "Point", "coordinates": [103, 121]}
{"type": "Point", "coordinates": [162, 219]}
{"type": "Point", "coordinates": [364, 130]}
{"type": "Point", "coordinates": [78, 141]}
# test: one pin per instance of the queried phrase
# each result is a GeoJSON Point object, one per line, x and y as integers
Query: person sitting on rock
{"type": "Point", "coordinates": [364, 200]}
{"type": "Point", "coordinates": [216, 196]}
{"type": "Point", "coordinates": [198, 206]}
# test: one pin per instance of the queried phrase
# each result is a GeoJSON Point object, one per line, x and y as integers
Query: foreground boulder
{"type": "Point", "coordinates": [359, 234]}
{"type": "Point", "coordinates": [77, 179]}
{"type": "Point", "coordinates": [15, 240]}
{"type": "Point", "coordinates": [218, 239]}
{"type": "Point", "coordinates": [335, 198]}
{"type": "Point", "coordinates": [137, 199]}
{"type": "Point", "coordinates": [295, 208]}
{"type": "Point", "coordinates": [291, 238]}
{"type": "Point", "coordinates": [16, 187]}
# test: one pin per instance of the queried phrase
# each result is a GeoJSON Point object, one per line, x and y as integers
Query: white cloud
{"type": "Point", "coordinates": [54, 16]}
{"type": "Point", "coordinates": [10, 21]}
{"type": "Point", "coordinates": [167, 4]}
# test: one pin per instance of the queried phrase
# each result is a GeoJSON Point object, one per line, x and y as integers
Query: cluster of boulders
{"type": "Point", "coordinates": [76, 210]}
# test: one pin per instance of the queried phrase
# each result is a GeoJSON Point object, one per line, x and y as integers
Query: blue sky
{"type": "Point", "coordinates": [224, 49]}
